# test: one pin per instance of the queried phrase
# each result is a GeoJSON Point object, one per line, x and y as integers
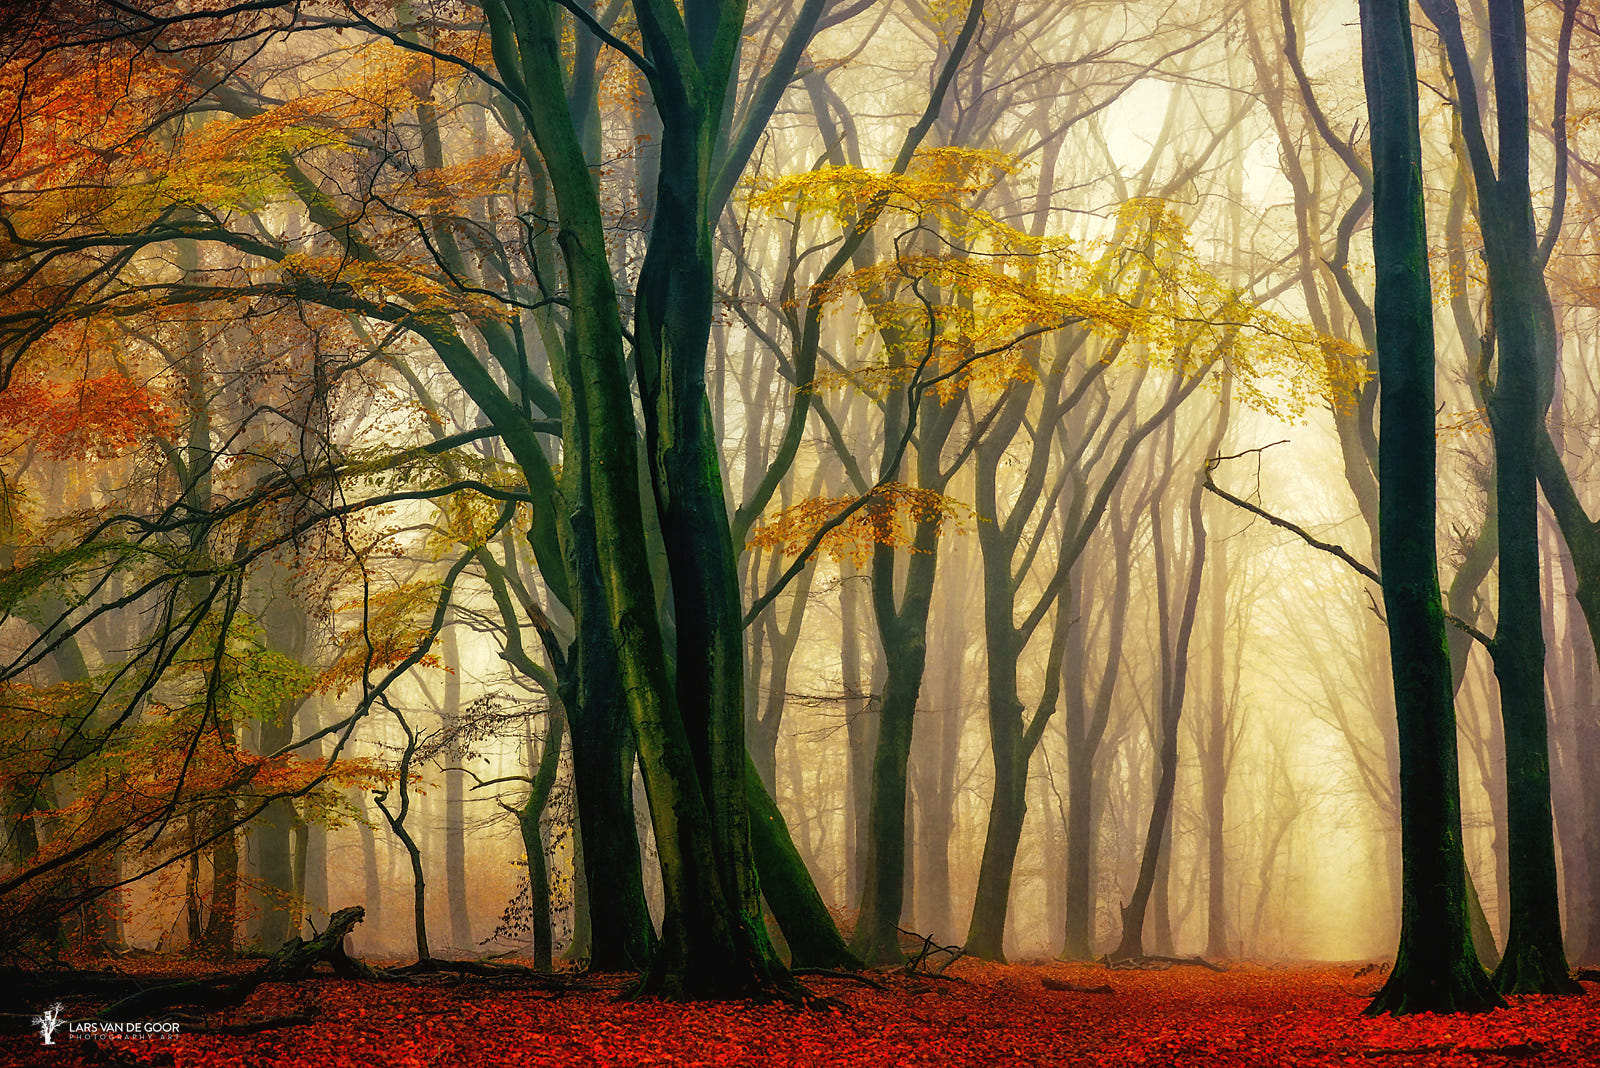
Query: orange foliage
{"type": "Point", "coordinates": [887, 518]}
{"type": "Point", "coordinates": [83, 419]}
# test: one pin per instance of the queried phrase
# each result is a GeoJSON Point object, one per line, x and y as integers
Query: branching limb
{"type": "Point", "coordinates": [1317, 543]}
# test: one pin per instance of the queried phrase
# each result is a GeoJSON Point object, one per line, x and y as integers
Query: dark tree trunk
{"type": "Point", "coordinates": [935, 755]}
{"type": "Point", "coordinates": [602, 768]}
{"type": "Point", "coordinates": [530, 821]}
{"type": "Point", "coordinates": [1435, 969]}
{"type": "Point", "coordinates": [218, 939]}
{"type": "Point", "coordinates": [904, 636]}
{"type": "Point", "coordinates": [1534, 960]}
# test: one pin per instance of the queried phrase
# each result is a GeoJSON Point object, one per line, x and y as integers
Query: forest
{"type": "Point", "coordinates": [776, 531]}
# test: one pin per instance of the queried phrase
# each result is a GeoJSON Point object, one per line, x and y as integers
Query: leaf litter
{"type": "Point", "coordinates": [976, 1014]}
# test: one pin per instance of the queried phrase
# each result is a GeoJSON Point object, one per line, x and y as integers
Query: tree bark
{"type": "Point", "coordinates": [1435, 969]}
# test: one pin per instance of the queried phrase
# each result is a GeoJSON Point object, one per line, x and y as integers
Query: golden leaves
{"type": "Point", "coordinates": [394, 625]}
{"type": "Point", "coordinates": [380, 281]}
{"type": "Point", "coordinates": [967, 289]}
{"type": "Point", "coordinates": [889, 517]}
{"type": "Point", "coordinates": [940, 182]}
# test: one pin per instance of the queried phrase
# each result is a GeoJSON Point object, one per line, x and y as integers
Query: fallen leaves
{"type": "Point", "coordinates": [981, 1014]}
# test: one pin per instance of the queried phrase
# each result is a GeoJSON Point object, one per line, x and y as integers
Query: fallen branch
{"type": "Point", "coordinates": [295, 958]}
{"type": "Point", "coordinates": [1074, 988]}
{"type": "Point", "coordinates": [1155, 961]}
{"type": "Point", "coordinates": [918, 965]}
{"type": "Point", "coordinates": [483, 969]}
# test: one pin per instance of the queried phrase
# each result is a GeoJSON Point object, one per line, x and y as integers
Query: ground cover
{"type": "Point", "coordinates": [975, 1014]}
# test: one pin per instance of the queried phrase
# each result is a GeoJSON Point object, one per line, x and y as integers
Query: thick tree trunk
{"type": "Point", "coordinates": [602, 769]}
{"type": "Point", "coordinates": [1435, 969]}
{"type": "Point", "coordinates": [1534, 961]}
{"type": "Point", "coordinates": [808, 927]}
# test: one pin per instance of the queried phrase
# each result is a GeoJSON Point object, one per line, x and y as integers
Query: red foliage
{"type": "Point", "coordinates": [986, 1015]}
{"type": "Point", "coordinates": [94, 418]}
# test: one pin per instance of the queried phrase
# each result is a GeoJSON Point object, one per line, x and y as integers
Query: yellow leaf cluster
{"type": "Point", "coordinates": [1142, 287]}
{"type": "Point", "coordinates": [940, 183]}
{"type": "Point", "coordinates": [889, 517]}
{"type": "Point", "coordinates": [381, 281]}
{"type": "Point", "coordinates": [395, 623]}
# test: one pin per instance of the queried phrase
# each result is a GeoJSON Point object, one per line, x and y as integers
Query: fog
{"type": "Point", "coordinates": [309, 549]}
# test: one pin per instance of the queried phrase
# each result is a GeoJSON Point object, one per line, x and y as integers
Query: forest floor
{"type": "Point", "coordinates": [976, 1014]}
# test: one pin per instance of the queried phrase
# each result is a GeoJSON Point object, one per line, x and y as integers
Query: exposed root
{"type": "Point", "coordinates": [831, 973]}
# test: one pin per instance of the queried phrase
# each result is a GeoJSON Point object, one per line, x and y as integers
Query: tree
{"type": "Point", "coordinates": [1524, 327]}
{"type": "Point", "coordinates": [1435, 969]}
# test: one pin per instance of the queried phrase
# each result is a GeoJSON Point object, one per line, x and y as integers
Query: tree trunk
{"type": "Point", "coordinates": [1215, 758]}
{"type": "Point", "coordinates": [373, 884]}
{"type": "Point", "coordinates": [1534, 961]}
{"type": "Point", "coordinates": [1086, 724]}
{"type": "Point", "coordinates": [455, 807]}
{"type": "Point", "coordinates": [1174, 679]}
{"type": "Point", "coordinates": [904, 637]}
{"type": "Point", "coordinates": [530, 821]}
{"type": "Point", "coordinates": [602, 771]}
{"type": "Point", "coordinates": [903, 634]}
{"type": "Point", "coordinates": [861, 721]}
{"type": "Point", "coordinates": [1435, 969]}
{"type": "Point", "coordinates": [218, 939]}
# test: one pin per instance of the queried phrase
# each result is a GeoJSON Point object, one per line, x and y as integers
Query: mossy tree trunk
{"type": "Point", "coordinates": [1435, 969]}
{"type": "Point", "coordinates": [1534, 960]}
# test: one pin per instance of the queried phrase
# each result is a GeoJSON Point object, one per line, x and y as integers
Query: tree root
{"type": "Point", "coordinates": [831, 973]}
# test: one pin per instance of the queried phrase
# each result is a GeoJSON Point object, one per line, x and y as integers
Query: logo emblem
{"type": "Point", "coordinates": [49, 1022]}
